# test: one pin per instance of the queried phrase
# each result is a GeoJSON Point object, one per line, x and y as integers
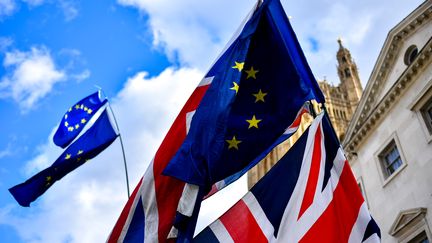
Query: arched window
{"type": "Point", "coordinates": [347, 73]}
{"type": "Point", "coordinates": [410, 54]}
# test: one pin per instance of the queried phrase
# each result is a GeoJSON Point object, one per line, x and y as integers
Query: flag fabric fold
{"type": "Point", "coordinates": [76, 117]}
{"type": "Point", "coordinates": [258, 87]}
{"type": "Point", "coordinates": [98, 137]}
{"type": "Point", "coordinates": [310, 195]}
{"type": "Point", "coordinates": [305, 109]}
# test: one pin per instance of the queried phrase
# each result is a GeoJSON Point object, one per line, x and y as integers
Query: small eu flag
{"type": "Point", "coordinates": [89, 145]}
{"type": "Point", "coordinates": [76, 117]}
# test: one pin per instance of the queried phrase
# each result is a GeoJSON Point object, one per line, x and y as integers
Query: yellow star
{"type": "Point", "coordinates": [70, 109]}
{"type": "Point", "coordinates": [66, 116]}
{"type": "Point", "coordinates": [251, 73]}
{"type": "Point", "coordinates": [85, 108]}
{"type": "Point", "coordinates": [70, 129]}
{"type": "Point", "coordinates": [253, 122]}
{"type": "Point", "coordinates": [83, 121]}
{"type": "Point", "coordinates": [236, 87]}
{"type": "Point", "coordinates": [239, 66]}
{"type": "Point", "coordinates": [259, 96]}
{"type": "Point", "coordinates": [89, 111]}
{"type": "Point", "coordinates": [233, 143]}
{"type": "Point", "coordinates": [80, 152]}
{"type": "Point", "coordinates": [82, 107]}
{"type": "Point", "coordinates": [68, 156]}
{"type": "Point", "coordinates": [77, 106]}
{"type": "Point", "coordinates": [48, 178]}
{"type": "Point", "coordinates": [66, 124]}
{"type": "Point", "coordinates": [78, 159]}
{"type": "Point", "coordinates": [76, 126]}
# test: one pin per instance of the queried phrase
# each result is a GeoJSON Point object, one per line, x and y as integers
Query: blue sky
{"type": "Point", "coordinates": [147, 56]}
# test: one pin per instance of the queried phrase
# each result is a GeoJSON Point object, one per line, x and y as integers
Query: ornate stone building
{"type": "Point", "coordinates": [389, 139]}
{"type": "Point", "coordinates": [341, 102]}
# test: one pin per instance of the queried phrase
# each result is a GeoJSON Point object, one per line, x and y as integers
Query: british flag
{"type": "Point", "coordinates": [148, 215]}
{"type": "Point", "coordinates": [251, 95]}
{"type": "Point", "coordinates": [310, 195]}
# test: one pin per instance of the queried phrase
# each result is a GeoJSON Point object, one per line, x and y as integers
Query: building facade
{"type": "Point", "coordinates": [341, 102]}
{"type": "Point", "coordinates": [389, 139]}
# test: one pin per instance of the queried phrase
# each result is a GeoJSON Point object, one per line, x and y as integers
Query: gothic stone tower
{"type": "Point", "coordinates": [341, 102]}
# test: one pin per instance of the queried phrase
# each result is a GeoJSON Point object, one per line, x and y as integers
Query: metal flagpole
{"type": "Point", "coordinates": [121, 143]}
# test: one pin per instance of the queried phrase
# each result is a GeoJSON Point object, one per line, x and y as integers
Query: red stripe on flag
{"type": "Point", "coordinates": [336, 223]}
{"type": "Point", "coordinates": [313, 174]}
{"type": "Point", "coordinates": [118, 227]}
{"type": "Point", "coordinates": [241, 224]}
{"type": "Point", "coordinates": [168, 189]}
{"type": "Point", "coordinates": [298, 119]}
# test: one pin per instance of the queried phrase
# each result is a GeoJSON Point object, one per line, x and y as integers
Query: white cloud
{"type": "Point", "coordinates": [5, 42]}
{"type": "Point", "coordinates": [31, 77]}
{"type": "Point", "coordinates": [6, 152]}
{"type": "Point", "coordinates": [34, 3]}
{"type": "Point", "coordinates": [92, 196]}
{"type": "Point", "coordinates": [81, 76]}
{"type": "Point", "coordinates": [195, 31]}
{"type": "Point", "coordinates": [192, 31]}
{"type": "Point", "coordinates": [7, 7]}
{"type": "Point", "coordinates": [69, 8]}
{"type": "Point", "coordinates": [362, 25]}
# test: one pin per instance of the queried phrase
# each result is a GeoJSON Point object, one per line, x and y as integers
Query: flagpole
{"type": "Point", "coordinates": [123, 151]}
{"type": "Point", "coordinates": [121, 144]}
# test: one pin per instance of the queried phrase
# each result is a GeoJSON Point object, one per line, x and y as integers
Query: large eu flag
{"type": "Point", "coordinates": [258, 86]}
{"type": "Point", "coordinates": [98, 137]}
{"type": "Point", "coordinates": [76, 117]}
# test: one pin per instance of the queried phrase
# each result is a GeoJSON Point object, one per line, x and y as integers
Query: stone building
{"type": "Point", "coordinates": [389, 139]}
{"type": "Point", "coordinates": [341, 102]}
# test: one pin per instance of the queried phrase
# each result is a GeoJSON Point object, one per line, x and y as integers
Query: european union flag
{"type": "Point", "coordinates": [91, 143]}
{"type": "Point", "coordinates": [258, 86]}
{"type": "Point", "coordinates": [76, 117]}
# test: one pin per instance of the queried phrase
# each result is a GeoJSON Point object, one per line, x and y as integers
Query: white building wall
{"type": "Point", "coordinates": [420, 38]}
{"type": "Point", "coordinates": [411, 187]}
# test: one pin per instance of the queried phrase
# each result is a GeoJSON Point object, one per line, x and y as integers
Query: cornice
{"type": "Point", "coordinates": [363, 126]}
{"type": "Point", "coordinates": [385, 62]}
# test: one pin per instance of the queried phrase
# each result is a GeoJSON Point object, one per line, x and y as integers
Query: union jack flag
{"type": "Point", "coordinates": [310, 195]}
{"type": "Point", "coordinates": [251, 95]}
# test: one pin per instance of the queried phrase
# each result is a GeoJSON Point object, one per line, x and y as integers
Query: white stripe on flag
{"type": "Point", "coordinates": [151, 217]}
{"type": "Point", "coordinates": [373, 239]}
{"type": "Point", "coordinates": [221, 232]}
{"type": "Point", "coordinates": [151, 213]}
{"type": "Point", "coordinates": [189, 117]}
{"type": "Point", "coordinates": [206, 81]}
{"type": "Point", "coordinates": [259, 215]}
{"type": "Point", "coordinates": [359, 228]}
{"type": "Point", "coordinates": [187, 201]}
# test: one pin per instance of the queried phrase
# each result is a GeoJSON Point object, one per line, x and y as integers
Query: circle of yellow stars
{"type": "Point", "coordinates": [259, 97]}
{"type": "Point", "coordinates": [72, 127]}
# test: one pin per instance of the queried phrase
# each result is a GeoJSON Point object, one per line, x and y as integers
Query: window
{"type": "Point", "coordinates": [410, 54]}
{"type": "Point", "coordinates": [390, 159]}
{"type": "Point", "coordinates": [420, 238]}
{"type": "Point", "coordinates": [422, 106]}
{"type": "Point", "coordinates": [347, 73]}
{"type": "Point", "coordinates": [426, 112]}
